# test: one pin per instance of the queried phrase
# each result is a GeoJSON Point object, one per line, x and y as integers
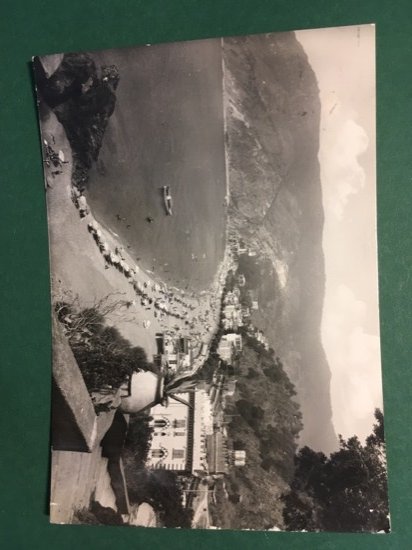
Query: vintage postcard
{"type": "Point", "coordinates": [212, 226]}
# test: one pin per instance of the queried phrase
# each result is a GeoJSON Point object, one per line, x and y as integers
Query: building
{"type": "Point", "coordinates": [173, 354]}
{"type": "Point", "coordinates": [235, 339]}
{"type": "Point", "coordinates": [239, 458]}
{"type": "Point", "coordinates": [245, 311]}
{"type": "Point", "coordinates": [171, 447]}
{"type": "Point", "coordinates": [217, 453]}
{"type": "Point", "coordinates": [229, 387]}
{"type": "Point", "coordinates": [180, 432]}
{"type": "Point", "coordinates": [253, 299]}
{"type": "Point", "coordinates": [225, 350]}
{"type": "Point", "coordinates": [241, 247]}
{"type": "Point", "coordinates": [229, 345]}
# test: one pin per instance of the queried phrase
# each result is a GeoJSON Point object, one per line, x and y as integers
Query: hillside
{"type": "Point", "coordinates": [265, 422]}
{"type": "Point", "coordinates": [272, 121]}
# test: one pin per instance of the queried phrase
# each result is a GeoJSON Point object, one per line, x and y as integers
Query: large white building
{"type": "Point", "coordinates": [229, 345]}
{"type": "Point", "coordinates": [180, 432]}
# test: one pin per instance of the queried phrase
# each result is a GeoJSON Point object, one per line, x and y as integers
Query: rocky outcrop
{"type": "Point", "coordinates": [83, 98]}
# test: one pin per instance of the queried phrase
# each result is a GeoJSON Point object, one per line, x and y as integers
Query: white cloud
{"type": "Point", "coordinates": [356, 387]}
{"type": "Point", "coordinates": [342, 175]}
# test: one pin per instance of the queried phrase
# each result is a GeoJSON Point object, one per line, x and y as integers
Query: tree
{"type": "Point", "coordinates": [139, 438]}
{"type": "Point", "coordinates": [344, 492]}
{"type": "Point", "coordinates": [162, 490]}
{"type": "Point", "coordinates": [105, 358]}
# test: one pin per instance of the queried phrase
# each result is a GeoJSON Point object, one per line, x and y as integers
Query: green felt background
{"type": "Point", "coordinates": [43, 26]}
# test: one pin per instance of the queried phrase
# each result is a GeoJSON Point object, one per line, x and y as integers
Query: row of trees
{"type": "Point", "coordinates": [346, 491]}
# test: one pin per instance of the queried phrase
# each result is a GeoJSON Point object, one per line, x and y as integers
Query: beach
{"type": "Point", "coordinates": [79, 266]}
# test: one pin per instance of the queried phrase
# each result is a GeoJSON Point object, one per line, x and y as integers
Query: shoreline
{"type": "Point", "coordinates": [170, 309]}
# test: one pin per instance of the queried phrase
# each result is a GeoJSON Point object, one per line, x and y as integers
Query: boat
{"type": "Point", "coordinates": [167, 197]}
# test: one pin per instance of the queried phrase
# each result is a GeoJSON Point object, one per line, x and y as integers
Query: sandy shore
{"type": "Point", "coordinates": [78, 266]}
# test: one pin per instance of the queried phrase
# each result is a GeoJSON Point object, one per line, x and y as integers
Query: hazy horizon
{"type": "Point", "coordinates": [345, 71]}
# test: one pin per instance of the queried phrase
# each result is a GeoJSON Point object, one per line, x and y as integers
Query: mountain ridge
{"type": "Point", "coordinates": [272, 133]}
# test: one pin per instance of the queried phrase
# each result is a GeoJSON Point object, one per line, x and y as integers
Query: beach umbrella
{"type": "Point", "coordinates": [82, 201]}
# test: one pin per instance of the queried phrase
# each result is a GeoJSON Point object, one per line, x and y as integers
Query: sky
{"type": "Point", "coordinates": [343, 60]}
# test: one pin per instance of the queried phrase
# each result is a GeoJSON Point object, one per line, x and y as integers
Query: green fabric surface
{"type": "Point", "coordinates": [37, 28]}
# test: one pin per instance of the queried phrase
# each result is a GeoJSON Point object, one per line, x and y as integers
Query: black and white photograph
{"type": "Point", "coordinates": [214, 287]}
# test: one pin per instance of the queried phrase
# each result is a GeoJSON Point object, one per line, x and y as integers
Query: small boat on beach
{"type": "Point", "coordinates": [167, 197]}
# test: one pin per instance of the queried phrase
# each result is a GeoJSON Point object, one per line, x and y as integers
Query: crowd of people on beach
{"type": "Point", "coordinates": [52, 160]}
{"type": "Point", "coordinates": [194, 314]}
{"type": "Point", "coordinates": [150, 293]}
{"type": "Point", "coordinates": [176, 310]}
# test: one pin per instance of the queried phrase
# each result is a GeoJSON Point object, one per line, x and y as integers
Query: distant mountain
{"type": "Point", "coordinates": [272, 110]}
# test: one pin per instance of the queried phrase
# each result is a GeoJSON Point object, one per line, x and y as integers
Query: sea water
{"type": "Point", "coordinates": [167, 129]}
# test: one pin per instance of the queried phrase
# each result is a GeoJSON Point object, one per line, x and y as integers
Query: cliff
{"type": "Point", "coordinates": [82, 96]}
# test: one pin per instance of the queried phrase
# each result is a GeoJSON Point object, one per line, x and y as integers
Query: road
{"type": "Point", "coordinates": [201, 518]}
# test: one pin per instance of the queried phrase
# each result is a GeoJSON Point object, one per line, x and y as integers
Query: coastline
{"type": "Point", "coordinates": [72, 244]}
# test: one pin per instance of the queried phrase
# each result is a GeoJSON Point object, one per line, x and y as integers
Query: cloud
{"type": "Point", "coordinates": [354, 357]}
{"type": "Point", "coordinates": [342, 175]}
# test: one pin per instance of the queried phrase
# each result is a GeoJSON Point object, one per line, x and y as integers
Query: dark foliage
{"type": "Point", "coordinates": [252, 373]}
{"type": "Point", "coordinates": [97, 514]}
{"type": "Point", "coordinates": [253, 414]}
{"type": "Point", "coordinates": [139, 438]}
{"type": "Point", "coordinates": [344, 492]}
{"type": "Point", "coordinates": [113, 440]}
{"type": "Point", "coordinates": [265, 422]}
{"type": "Point", "coordinates": [162, 490]}
{"type": "Point", "coordinates": [82, 97]}
{"type": "Point", "coordinates": [105, 358]}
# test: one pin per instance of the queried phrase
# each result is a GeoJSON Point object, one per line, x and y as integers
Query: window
{"type": "Point", "coordinates": [181, 423]}
{"type": "Point", "coordinates": [178, 453]}
{"type": "Point", "coordinates": [179, 434]}
{"type": "Point", "coordinates": [158, 453]}
{"type": "Point", "coordinates": [160, 423]}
